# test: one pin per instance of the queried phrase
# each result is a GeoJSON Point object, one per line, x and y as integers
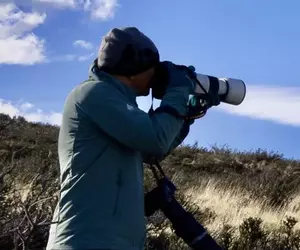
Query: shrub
{"type": "Point", "coordinates": [259, 183]}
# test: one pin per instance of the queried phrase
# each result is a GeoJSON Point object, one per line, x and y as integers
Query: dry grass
{"type": "Point", "coordinates": [246, 200]}
{"type": "Point", "coordinates": [232, 206]}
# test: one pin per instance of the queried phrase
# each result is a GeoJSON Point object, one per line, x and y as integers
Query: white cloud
{"type": "Point", "coordinates": [85, 57]}
{"type": "Point", "coordinates": [17, 26]}
{"type": "Point", "coordinates": [277, 104]}
{"type": "Point", "coordinates": [70, 57]}
{"type": "Point", "coordinates": [83, 44]}
{"type": "Point", "coordinates": [26, 106]}
{"type": "Point", "coordinates": [99, 9]}
{"type": "Point", "coordinates": [29, 112]}
{"type": "Point", "coordinates": [60, 3]}
{"type": "Point", "coordinates": [102, 9]}
{"type": "Point", "coordinates": [18, 45]}
{"type": "Point", "coordinates": [280, 105]}
{"type": "Point", "coordinates": [86, 4]}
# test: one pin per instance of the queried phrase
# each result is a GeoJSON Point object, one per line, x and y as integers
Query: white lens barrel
{"type": "Point", "coordinates": [234, 89]}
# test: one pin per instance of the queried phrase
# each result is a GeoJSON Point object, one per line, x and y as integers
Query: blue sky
{"type": "Point", "coordinates": [46, 47]}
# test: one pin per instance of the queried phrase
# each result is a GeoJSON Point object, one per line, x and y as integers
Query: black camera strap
{"type": "Point", "coordinates": [183, 222]}
{"type": "Point", "coordinates": [156, 170]}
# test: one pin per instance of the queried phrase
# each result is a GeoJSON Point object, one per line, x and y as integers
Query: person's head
{"type": "Point", "coordinates": [130, 56]}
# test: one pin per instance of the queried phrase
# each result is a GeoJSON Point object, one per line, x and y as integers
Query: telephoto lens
{"type": "Point", "coordinates": [230, 90]}
{"type": "Point", "coordinates": [187, 227]}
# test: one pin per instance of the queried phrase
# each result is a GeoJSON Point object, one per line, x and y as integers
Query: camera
{"type": "Point", "coordinates": [185, 225]}
{"type": "Point", "coordinates": [228, 90]}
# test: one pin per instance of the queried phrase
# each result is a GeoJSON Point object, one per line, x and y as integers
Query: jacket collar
{"type": "Point", "coordinates": [98, 75]}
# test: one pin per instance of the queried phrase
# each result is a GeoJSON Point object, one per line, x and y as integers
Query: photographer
{"type": "Point", "coordinates": [104, 140]}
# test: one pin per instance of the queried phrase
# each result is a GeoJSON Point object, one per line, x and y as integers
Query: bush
{"type": "Point", "coordinates": [246, 200]}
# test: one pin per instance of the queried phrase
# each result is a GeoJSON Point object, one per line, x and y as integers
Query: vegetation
{"type": "Point", "coordinates": [246, 200]}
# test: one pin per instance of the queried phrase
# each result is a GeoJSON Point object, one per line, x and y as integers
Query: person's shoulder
{"type": "Point", "coordinates": [93, 87]}
{"type": "Point", "coordinates": [87, 91]}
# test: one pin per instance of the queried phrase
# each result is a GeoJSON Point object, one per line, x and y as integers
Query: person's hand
{"type": "Point", "coordinates": [159, 197]}
{"type": "Point", "coordinates": [179, 75]}
{"type": "Point", "coordinates": [169, 75]}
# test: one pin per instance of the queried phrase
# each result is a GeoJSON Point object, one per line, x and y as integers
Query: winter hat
{"type": "Point", "coordinates": [126, 51]}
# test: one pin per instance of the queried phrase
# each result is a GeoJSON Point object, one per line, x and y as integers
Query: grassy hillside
{"type": "Point", "coordinates": [247, 200]}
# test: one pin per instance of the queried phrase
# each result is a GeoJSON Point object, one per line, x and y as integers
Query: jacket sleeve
{"type": "Point", "coordinates": [151, 159]}
{"type": "Point", "coordinates": [126, 123]}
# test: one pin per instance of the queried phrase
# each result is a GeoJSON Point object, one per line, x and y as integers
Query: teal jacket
{"type": "Point", "coordinates": [104, 140]}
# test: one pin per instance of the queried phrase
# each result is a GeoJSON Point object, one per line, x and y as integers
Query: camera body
{"type": "Point", "coordinates": [185, 225]}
